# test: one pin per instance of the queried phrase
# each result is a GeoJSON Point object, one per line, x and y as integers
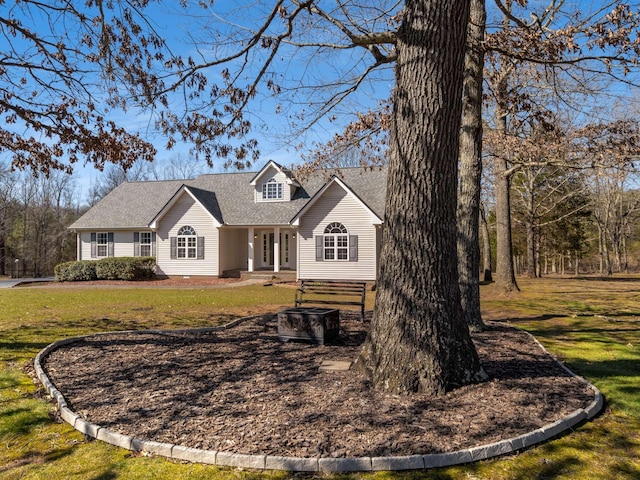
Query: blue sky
{"type": "Point", "coordinates": [175, 25]}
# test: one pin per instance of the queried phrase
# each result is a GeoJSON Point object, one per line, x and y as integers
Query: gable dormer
{"type": "Point", "coordinates": [273, 183]}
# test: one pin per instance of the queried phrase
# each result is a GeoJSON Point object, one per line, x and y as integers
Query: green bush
{"type": "Point", "coordinates": [112, 268]}
{"type": "Point", "coordinates": [126, 268]}
{"type": "Point", "coordinates": [75, 271]}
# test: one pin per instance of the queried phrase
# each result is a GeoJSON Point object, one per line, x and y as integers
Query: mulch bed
{"type": "Point", "coordinates": [242, 390]}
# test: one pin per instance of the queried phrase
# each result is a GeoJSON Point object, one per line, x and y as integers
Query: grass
{"type": "Point", "coordinates": [590, 324]}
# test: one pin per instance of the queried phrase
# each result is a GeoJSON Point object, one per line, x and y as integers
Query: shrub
{"type": "Point", "coordinates": [126, 268]}
{"type": "Point", "coordinates": [112, 268]}
{"type": "Point", "coordinates": [78, 271]}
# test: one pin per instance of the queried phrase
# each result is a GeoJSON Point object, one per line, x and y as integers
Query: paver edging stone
{"type": "Point", "coordinates": [269, 462]}
{"type": "Point", "coordinates": [150, 446]}
{"type": "Point", "coordinates": [351, 464]}
{"type": "Point", "coordinates": [409, 462]}
{"type": "Point", "coordinates": [447, 459]}
{"type": "Point", "coordinates": [114, 438]}
{"type": "Point", "coordinates": [292, 464]}
{"type": "Point", "coordinates": [196, 455]}
{"type": "Point", "coordinates": [229, 459]}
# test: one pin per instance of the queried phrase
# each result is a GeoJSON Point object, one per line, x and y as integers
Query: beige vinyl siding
{"type": "Point", "coordinates": [184, 212]}
{"type": "Point", "coordinates": [287, 190]}
{"type": "Point", "coordinates": [233, 248]}
{"type": "Point", "coordinates": [336, 205]}
{"type": "Point", "coordinates": [122, 243]}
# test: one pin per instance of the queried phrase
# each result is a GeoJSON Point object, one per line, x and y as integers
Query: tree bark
{"type": "Point", "coordinates": [419, 340]}
{"type": "Point", "coordinates": [531, 248]}
{"type": "Point", "coordinates": [505, 270]}
{"type": "Point", "coordinates": [505, 274]}
{"type": "Point", "coordinates": [471, 169]}
{"type": "Point", "coordinates": [486, 248]}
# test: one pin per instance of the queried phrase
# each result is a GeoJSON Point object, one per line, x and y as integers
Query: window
{"type": "Point", "coordinates": [187, 243]}
{"type": "Point", "coordinates": [102, 244]}
{"type": "Point", "coordinates": [272, 190]}
{"type": "Point", "coordinates": [336, 242]}
{"type": "Point", "coordinates": [145, 244]}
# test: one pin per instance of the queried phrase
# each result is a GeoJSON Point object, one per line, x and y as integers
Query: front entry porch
{"type": "Point", "coordinates": [271, 249]}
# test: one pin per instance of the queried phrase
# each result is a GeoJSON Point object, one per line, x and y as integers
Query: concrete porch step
{"type": "Point", "coordinates": [283, 275]}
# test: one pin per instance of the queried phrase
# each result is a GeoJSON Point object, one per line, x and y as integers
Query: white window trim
{"type": "Point", "coordinates": [187, 244]}
{"type": "Point", "coordinates": [146, 243]}
{"type": "Point", "coordinates": [272, 190]}
{"type": "Point", "coordinates": [336, 243]}
{"type": "Point", "coordinates": [102, 246]}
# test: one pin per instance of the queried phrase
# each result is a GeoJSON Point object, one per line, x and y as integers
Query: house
{"type": "Point", "coordinates": [322, 227]}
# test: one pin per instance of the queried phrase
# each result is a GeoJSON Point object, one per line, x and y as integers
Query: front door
{"type": "Point", "coordinates": [285, 245]}
{"type": "Point", "coordinates": [267, 244]}
{"type": "Point", "coordinates": [266, 259]}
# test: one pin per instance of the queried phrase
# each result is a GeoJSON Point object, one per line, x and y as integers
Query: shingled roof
{"type": "Point", "coordinates": [229, 197]}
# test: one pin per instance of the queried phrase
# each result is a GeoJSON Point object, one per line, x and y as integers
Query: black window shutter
{"type": "Point", "coordinates": [94, 251]}
{"type": "Point", "coordinates": [200, 253]}
{"type": "Point", "coordinates": [110, 244]}
{"type": "Point", "coordinates": [136, 244]}
{"type": "Point", "coordinates": [319, 248]}
{"type": "Point", "coordinates": [174, 247]}
{"type": "Point", "coordinates": [153, 244]}
{"type": "Point", "coordinates": [353, 248]}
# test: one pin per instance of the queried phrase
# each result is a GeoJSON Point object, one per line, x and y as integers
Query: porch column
{"type": "Point", "coordinates": [276, 249]}
{"type": "Point", "coordinates": [250, 250]}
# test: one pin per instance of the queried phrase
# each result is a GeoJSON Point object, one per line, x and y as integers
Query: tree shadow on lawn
{"type": "Point", "coordinates": [241, 389]}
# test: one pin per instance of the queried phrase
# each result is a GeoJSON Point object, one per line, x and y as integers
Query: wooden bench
{"type": "Point", "coordinates": [332, 292]}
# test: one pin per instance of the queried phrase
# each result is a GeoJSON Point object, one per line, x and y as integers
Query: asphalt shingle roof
{"type": "Point", "coordinates": [229, 197]}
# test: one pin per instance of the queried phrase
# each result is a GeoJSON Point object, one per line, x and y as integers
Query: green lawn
{"type": "Point", "coordinates": [590, 324]}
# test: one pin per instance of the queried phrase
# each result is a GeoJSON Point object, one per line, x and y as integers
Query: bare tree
{"type": "Point", "coordinates": [234, 65]}
{"type": "Point", "coordinates": [616, 206]}
{"type": "Point", "coordinates": [114, 175]}
{"type": "Point", "coordinates": [548, 42]}
{"type": "Point", "coordinates": [545, 195]}
{"type": "Point", "coordinates": [7, 213]}
{"type": "Point", "coordinates": [54, 112]}
{"type": "Point", "coordinates": [468, 217]}
{"type": "Point", "coordinates": [178, 166]}
{"type": "Point", "coordinates": [418, 297]}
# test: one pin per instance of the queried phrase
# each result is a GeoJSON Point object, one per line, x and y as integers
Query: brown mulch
{"type": "Point", "coordinates": [242, 390]}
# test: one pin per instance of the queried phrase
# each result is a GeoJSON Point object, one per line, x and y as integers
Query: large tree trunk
{"type": "Point", "coordinates": [419, 340]}
{"type": "Point", "coordinates": [531, 248]}
{"type": "Point", "coordinates": [505, 270]}
{"type": "Point", "coordinates": [505, 274]}
{"type": "Point", "coordinates": [471, 169]}
{"type": "Point", "coordinates": [487, 266]}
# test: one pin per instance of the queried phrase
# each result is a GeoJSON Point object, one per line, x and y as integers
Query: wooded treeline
{"type": "Point", "coordinates": [36, 211]}
{"type": "Point", "coordinates": [34, 216]}
{"type": "Point", "coordinates": [565, 220]}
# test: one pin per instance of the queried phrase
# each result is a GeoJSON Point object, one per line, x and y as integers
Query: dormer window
{"type": "Point", "coordinates": [272, 190]}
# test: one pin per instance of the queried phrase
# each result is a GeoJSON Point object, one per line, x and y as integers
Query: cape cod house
{"type": "Point", "coordinates": [324, 227]}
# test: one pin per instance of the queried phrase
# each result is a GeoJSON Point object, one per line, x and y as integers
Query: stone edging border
{"type": "Point", "coordinates": [300, 464]}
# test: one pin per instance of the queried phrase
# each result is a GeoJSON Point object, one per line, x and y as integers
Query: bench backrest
{"type": "Point", "coordinates": [332, 292]}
